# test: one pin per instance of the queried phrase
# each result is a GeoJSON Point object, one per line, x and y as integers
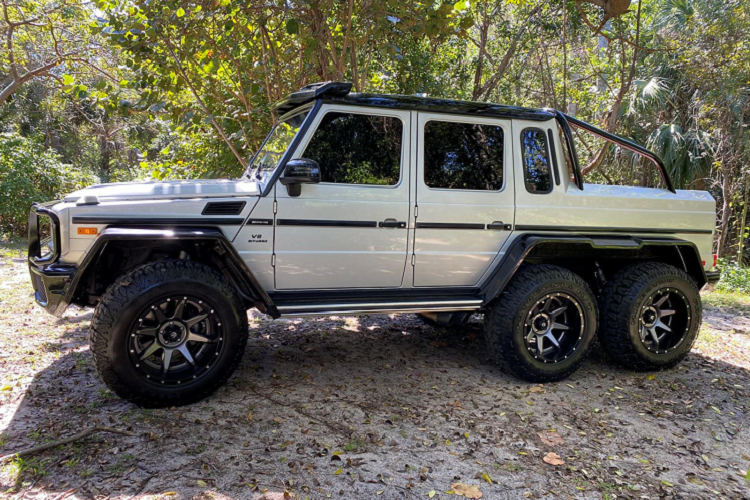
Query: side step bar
{"type": "Point", "coordinates": [378, 307]}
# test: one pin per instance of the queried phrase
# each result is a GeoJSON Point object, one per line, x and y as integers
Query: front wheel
{"type": "Point", "coordinates": [541, 326]}
{"type": "Point", "coordinates": [168, 333]}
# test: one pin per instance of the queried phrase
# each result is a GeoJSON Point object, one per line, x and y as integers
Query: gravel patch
{"type": "Point", "coordinates": [382, 406]}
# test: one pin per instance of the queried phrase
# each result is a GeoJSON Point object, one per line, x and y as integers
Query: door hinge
{"type": "Point", "coordinates": [275, 206]}
{"type": "Point", "coordinates": [413, 259]}
{"type": "Point", "coordinates": [416, 211]}
{"type": "Point", "coordinates": [273, 260]}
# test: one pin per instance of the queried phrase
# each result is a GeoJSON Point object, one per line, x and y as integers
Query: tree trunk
{"type": "Point", "coordinates": [725, 213]}
{"type": "Point", "coordinates": [742, 225]}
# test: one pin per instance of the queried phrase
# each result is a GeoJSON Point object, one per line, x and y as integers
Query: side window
{"type": "Point", "coordinates": [536, 164]}
{"type": "Point", "coordinates": [357, 149]}
{"type": "Point", "coordinates": [463, 156]}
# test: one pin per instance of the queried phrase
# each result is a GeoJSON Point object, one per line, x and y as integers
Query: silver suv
{"type": "Point", "coordinates": [364, 204]}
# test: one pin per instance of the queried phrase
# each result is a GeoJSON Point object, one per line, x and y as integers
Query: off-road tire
{"type": "Point", "coordinates": [620, 304]}
{"type": "Point", "coordinates": [505, 319]}
{"type": "Point", "coordinates": [116, 311]}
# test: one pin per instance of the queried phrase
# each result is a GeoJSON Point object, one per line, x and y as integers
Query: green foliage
{"type": "Point", "coordinates": [734, 278]}
{"type": "Point", "coordinates": [216, 67]}
{"type": "Point", "coordinates": [28, 174]}
{"type": "Point", "coordinates": [168, 90]}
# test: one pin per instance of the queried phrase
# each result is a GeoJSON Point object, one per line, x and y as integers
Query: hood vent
{"type": "Point", "coordinates": [224, 208]}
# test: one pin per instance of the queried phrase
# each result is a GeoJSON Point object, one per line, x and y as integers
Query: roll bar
{"type": "Point", "coordinates": [565, 121]}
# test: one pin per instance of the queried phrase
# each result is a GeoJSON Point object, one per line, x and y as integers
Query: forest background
{"type": "Point", "coordinates": [118, 90]}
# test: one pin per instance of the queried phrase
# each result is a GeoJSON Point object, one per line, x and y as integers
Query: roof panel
{"type": "Point", "coordinates": [339, 92]}
{"type": "Point", "coordinates": [440, 105]}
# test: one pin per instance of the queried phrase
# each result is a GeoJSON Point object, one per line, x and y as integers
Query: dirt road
{"type": "Point", "coordinates": [384, 407]}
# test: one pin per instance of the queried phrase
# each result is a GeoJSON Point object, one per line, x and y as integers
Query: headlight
{"type": "Point", "coordinates": [46, 240]}
{"type": "Point", "coordinates": [43, 235]}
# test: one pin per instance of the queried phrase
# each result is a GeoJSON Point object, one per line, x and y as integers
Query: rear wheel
{"type": "Point", "coordinates": [651, 314]}
{"type": "Point", "coordinates": [541, 326]}
{"type": "Point", "coordinates": [168, 333]}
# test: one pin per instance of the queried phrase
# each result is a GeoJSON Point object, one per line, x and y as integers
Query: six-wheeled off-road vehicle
{"type": "Point", "coordinates": [365, 204]}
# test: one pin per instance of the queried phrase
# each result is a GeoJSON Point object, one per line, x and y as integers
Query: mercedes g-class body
{"type": "Point", "coordinates": [365, 204]}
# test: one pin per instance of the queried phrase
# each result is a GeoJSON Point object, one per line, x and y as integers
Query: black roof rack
{"type": "Point", "coordinates": [340, 92]}
{"type": "Point", "coordinates": [309, 93]}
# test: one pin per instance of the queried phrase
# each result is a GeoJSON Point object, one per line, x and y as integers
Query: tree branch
{"type": "Point", "coordinates": [71, 439]}
{"type": "Point", "coordinates": [202, 104]}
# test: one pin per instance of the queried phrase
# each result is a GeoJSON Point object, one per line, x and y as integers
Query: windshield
{"type": "Point", "coordinates": [275, 146]}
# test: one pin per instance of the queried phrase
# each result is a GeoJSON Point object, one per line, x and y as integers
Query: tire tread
{"type": "Point", "coordinates": [131, 285]}
{"type": "Point", "coordinates": [615, 304]}
{"type": "Point", "coordinates": [500, 317]}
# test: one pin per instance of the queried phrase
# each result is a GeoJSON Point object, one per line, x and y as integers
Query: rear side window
{"type": "Point", "coordinates": [463, 156]}
{"type": "Point", "coordinates": [536, 164]}
{"type": "Point", "coordinates": [357, 149]}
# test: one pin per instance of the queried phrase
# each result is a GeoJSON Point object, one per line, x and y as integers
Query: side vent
{"type": "Point", "coordinates": [224, 208]}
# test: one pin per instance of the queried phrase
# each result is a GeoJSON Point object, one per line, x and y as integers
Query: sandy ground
{"type": "Point", "coordinates": [384, 407]}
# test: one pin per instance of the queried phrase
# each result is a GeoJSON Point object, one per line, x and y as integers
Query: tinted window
{"type": "Point", "coordinates": [357, 149]}
{"type": "Point", "coordinates": [463, 156]}
{"type": "Point", "coordinates": [277, 143]}
{"type": "Point", "coordinates": [536, 167]}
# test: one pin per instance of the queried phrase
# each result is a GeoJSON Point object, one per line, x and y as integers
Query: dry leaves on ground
{"type": "Point", "coordinates": [553, 458]}
{"type": "Point", "coordinates": [466, 490]}
{"type": "Point", "coordinates": [551, 438]}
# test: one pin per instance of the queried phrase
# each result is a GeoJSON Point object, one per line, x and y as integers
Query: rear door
{"type": "Point", "coordinates": [464, 197]}
{"type": "Point", "coordinates": [350, 230]}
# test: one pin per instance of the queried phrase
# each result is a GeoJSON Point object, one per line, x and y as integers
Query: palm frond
{"type": "Point", "coordinates": [685, 153]}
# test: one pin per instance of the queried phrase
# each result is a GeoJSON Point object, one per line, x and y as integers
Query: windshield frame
{"type": "Point", "coordinates": [252, 173]}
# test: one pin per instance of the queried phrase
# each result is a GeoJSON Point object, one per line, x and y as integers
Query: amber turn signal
{"type": "Point", "coordinates": [87, 230]}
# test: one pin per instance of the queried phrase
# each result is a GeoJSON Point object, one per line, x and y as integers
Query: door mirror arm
{"type": "Point", "coordinates": [300, 171]}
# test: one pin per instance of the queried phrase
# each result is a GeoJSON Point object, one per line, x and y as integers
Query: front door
{"type": "Point", "coordinates": [349, 231]}
{"type": "Point", "coordinates": [464, 201]}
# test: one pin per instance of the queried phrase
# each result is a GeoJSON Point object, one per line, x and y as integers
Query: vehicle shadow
{"type": "Point", "coordinates": [351, 407]}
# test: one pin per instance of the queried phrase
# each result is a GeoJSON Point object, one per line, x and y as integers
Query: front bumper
{"type": "Point", "coordinates": [51, 285]}
{"type": "Point", "coordinates": [49, 278]}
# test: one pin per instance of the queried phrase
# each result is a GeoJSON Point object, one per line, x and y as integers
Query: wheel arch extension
{"type": "Point", "coordinates": [594, 255]}
{"type": "Point", "coordinates": [119, 249]}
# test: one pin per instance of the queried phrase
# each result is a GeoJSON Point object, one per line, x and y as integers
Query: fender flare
{"type": "Point", "coordinates": [523, 245]}
{"type": "Point", "coordinates": [244, 281]}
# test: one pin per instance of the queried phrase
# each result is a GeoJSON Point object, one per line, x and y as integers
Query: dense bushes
{"type": "Point", "coordinates": [733, 277]}
{"type": "Point", "coordinates": [29, 173]}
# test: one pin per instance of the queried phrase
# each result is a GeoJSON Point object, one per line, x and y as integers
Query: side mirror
{"type": "Point", "coordinates": [300, 171]}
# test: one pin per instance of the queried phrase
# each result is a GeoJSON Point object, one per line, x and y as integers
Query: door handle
{"type": "Point", "coordinates": [500, 226]}
{"type": "Point", "coordinates": [393, 223]}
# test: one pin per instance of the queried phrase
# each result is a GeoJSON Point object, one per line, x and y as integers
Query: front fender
{"type": "Point", "coordinates": [242, 278]}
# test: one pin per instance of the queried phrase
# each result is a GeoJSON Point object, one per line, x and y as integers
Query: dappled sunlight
{"type": "Point", "coordinates": [407, 406]}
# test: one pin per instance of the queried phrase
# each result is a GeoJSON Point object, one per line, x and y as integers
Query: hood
{"type": "Point", "coordinates": [123, 191]}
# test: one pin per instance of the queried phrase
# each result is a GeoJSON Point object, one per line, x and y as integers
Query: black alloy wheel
{"type": "Point", "coordinates": [541, 326]}
{"type": "Point", "coordinates": [175, 339]}
{"type": "Point", "coordinates": [555, 327]}
{"type": "Point", "coordinates": [650, 316]}
{"type": "Point", "coordinates": [665, 320]}
{"type": "Point", "coordinates": [168, 333]}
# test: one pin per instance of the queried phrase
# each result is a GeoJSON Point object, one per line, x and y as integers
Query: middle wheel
{"type": "Point", "coordinates": [541, 326]}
